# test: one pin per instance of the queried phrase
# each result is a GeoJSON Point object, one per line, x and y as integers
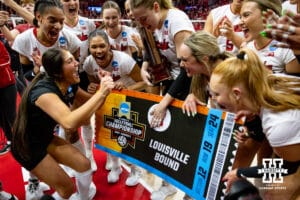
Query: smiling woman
{"type": "Point", "coordinates": [243, 85]}
{"type": "Point", "coordinates": [44, 105]}
{"type": "Point", "coordinates": [31, 44]}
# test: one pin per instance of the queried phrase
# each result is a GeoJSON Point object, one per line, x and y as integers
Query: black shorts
{"type": "Point", "coordinates": [38, 153]}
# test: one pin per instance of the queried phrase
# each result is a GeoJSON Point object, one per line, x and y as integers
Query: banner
{"type": "Point", "coordinates": [192, 153]}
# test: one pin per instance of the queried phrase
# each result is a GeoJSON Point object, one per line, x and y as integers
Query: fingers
{"type": "Point", "coordinates": [103, 73]}
{"type": "Point", "coordinates": [119, 86]}
{"type": "Point", "coordinates": [241, 136]}
{"type": "Point", "coordinates": [92, 88]}
{"type": "Point", "coordinates": [155, 122]}
{"type": "Point", "coordinates": [146, 77]}
{"type": "Point", "coordinates": [189, 108]}
{"type": "Point", "coordinates": [158, 117]}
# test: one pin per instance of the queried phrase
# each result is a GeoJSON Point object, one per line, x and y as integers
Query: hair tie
{"type": "Point", "coordinates": [241, 55]}
{"type": "Point", "coordinates": [43, 70]}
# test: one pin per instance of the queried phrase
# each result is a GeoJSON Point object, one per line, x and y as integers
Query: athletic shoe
{"type": "Point", "coordinates": [114, 174]}
{"type": "Point", "coordinates": [133, 177]}
{"type": "Point", "coordinates": [33, 191]}
{"type": "Point", "coordinates": [92, 193]}
{"type": "Point", "coordinates": [4, 148]}
{"type": "Point", "coordinates": [7, 196]}
{"type": "Point", "coordinates": [163, 192]}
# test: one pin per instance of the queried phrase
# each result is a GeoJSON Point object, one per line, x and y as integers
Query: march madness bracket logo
{"type": "Point", "coordinates": [124, 125]}
{"type": "Point", "coordinates": [272, 170]}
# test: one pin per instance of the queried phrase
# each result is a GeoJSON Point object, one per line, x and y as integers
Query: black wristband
{"type": "Point", "coordinates": [1, 25]}
{"type": "Point", "coordinates": [250, 172]}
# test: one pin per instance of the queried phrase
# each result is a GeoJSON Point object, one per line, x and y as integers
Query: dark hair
{"type": "Point", "coordinates": [52, 61]}
{"type": "Point", "coordinates": [42, 6]}
{"type": "Point", "coordinates": [99, 32]}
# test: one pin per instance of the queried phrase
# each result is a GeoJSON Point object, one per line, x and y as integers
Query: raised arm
{"type": "Point", "coordinates": [70, 120]}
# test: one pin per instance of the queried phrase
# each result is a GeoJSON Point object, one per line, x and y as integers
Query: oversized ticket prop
{"type": "Point", "coordinates": [192, 153]}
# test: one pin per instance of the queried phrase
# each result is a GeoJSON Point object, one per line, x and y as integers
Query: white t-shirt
{"type": "Point", "coordinates": [82, 30]}
{"type": "Point", "coordinates": [26, 43]}
{"type": "Point", "coordinates": [274, 58]}
{"type": "Point", "coordinates": [120, 66]}
{"type": "Point", "coordinates": [175, 22]}
{"type": "Point", "coordinates": [123, 41]}
{"type": "Point", "coordinates": [281, 128]}
{"type": "Point", "coordinates": [217, 14]}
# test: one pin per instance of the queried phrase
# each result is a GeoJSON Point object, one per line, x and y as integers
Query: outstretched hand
{"type": "Point", "coordinates": [158, 114]}
{"type": "Point", "coordinates": [229, 178]}
{"type": "Point", "coordinates": [285, 29]}
{"type": "Point", "coordinates": [189, 105]}
{"type": "Point", "coordinates": [107, 84]}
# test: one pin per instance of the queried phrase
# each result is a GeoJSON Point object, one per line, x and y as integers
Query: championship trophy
{"type": "Point", "coordinates": [158, 65]}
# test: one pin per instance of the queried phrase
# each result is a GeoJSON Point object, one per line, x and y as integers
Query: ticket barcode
{"type": "Point", "coordinates": [223, 145]}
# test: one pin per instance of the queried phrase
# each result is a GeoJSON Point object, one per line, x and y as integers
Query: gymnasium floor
{"type": "Point", "coordinates": [14, 180]}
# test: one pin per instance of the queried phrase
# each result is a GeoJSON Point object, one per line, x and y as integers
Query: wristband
{"type": "Point", "coordinates": [1, 25]}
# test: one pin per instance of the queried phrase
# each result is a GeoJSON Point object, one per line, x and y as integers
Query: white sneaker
{"type": "Point", "coordinates": [92, 193]}
{"type": "Point", "coordinates": [33, 191]}
{"type": "Point", "coordinates": [114, 174]}
{"type": "Point", "coordinates": [163, 192]}
{"type": "Point", "coordinates": [109, 163]}
{"type": "Point", "coordinates": [7, 196]}
{"type": "Point", "coordinates": [133, 177]}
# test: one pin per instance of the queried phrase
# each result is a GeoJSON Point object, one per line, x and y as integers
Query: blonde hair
{"type": "Point", "coordinates": [27, 2]}
{"type": "Point", "coordinates": [274, 5]}
{"type": "Point", "coordinates": [165, 4]}
{"type": "Point", "coordinates": [264, 89]}
{"type": "Point", "coordinates": [202, 43]}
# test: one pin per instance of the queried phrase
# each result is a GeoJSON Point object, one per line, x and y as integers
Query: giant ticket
{"type": "Point", "coordinates": [192, 153]}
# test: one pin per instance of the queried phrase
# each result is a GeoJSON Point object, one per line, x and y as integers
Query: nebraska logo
{"type": "Point", "coordinates": [124, 125]}
{"type": "Point", "coordinates": [272, 170]}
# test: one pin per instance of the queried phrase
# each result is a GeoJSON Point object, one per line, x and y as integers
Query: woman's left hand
{"type": "Point", "coordinates": [241, 135]}
{"type": "Point", "coordinates": [229, 178]}
{"type": "Point", "coordinates": [119, 85]}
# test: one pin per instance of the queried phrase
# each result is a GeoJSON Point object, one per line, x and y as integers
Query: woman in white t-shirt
{"type": "Point", "coordinates": [48, 33]}
{"type": "Point", "coordinates": [276, 59]}
{"type": "Point", "coordinates": [125, 73]}
{"type": "Point", "coordinates": [244, 86]}
{"type": "Point", "coordinates": [120, 36]}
